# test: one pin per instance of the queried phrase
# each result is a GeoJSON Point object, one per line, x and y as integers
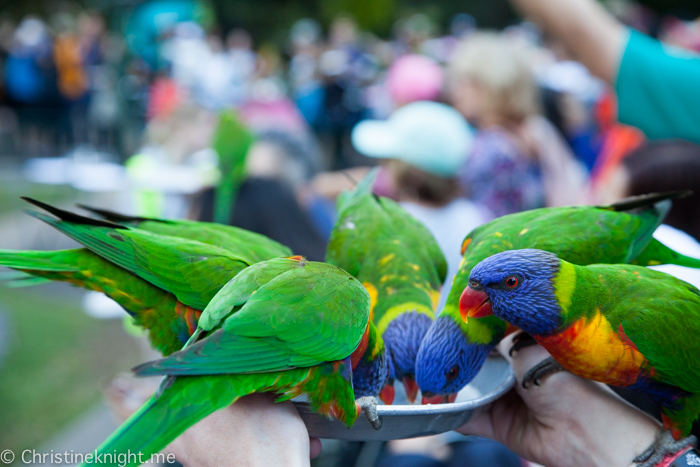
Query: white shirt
{"type": "Point", "coordinates": [449, 225]}
{"type": "Point", "coordinates": [684, 244]}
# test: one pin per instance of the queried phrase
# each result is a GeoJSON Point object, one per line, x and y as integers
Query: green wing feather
{"type": "Point", "coordinates": [232, 140]}
{"type": "Point", "coordinates": [168, 321]}
{"type": "Point", "coordinates": [180, 266]}
{"type": "Point", "coordinates": [659, 313]}
{"type": "Point", "coordinates": [251, 246]}
{"type": "Point", "coordinates": [288, 322]}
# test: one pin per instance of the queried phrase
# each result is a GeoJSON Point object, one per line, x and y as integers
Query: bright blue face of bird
{"type": "Point", "coordinates": [446, 362]}
{"type": "Point", "coordinates": [518, 287]}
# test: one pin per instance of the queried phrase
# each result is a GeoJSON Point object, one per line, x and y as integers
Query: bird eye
{"type": "Point", "coordinates": [512, 282]}
{"type": "Point", "coordinates": [452, 373]}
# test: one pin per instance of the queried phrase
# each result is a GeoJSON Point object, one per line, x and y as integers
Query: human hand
{"type": "Point", "coordinates": [567, 421]}
{"type": "Point", "coordinates": [255, 431]}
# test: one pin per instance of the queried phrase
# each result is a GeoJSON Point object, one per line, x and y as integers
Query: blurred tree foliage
{"type": "Point", "coordinates": [268, 20]}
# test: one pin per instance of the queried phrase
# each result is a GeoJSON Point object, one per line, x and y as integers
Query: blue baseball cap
{"type": "Point", "coordinates": [431, 136]}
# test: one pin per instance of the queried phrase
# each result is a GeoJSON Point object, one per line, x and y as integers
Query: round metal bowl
{"type": "Point", "coordinates": [401, 421]}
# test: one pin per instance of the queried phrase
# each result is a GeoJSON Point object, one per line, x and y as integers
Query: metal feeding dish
{"type": "Point", "coordinates": [405, 420]}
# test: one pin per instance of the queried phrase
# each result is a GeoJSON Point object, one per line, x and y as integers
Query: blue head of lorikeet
{"type": "Point", "coordinates": [454, 361]}
{"type": "Point", "coordinates": [520, 285]}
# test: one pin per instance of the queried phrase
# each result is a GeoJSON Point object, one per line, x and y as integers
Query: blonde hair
{"type": "Point", "coordinates": [497, 66]}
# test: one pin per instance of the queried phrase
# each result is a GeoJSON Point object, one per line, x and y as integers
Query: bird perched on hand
{"type": "Point", "coordinates": [453, 351]}
{"type": "Point", "coordinates": [401, 265]}
{"type": "Point", "coordinates": [622, 325]}
{"type": "Point", "coordinates": [163, 281]}
{"type": "Point", "coordinates": [285, 326]}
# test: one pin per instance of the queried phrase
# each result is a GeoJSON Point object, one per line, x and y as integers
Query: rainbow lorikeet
{"type": "Point", "coordinates": [164, 282]}
{"type": "Point", "coordinates": [401, 265]}
{"type": "Point", "coordinates": [453, 351]}
{"type": "Point", "coordinates": [622, 325]}
{"type": "Point", "coordinates": [286, 326]}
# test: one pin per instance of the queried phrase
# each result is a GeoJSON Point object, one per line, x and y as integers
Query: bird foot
{"type": "Point", "coordinates": [368, 405]}
{"type": "Point", "coordinates": [521, 341]}
{"type": "Point", "coordinates": [663, 445]}
{"type": "Point", "coordinates": [539, 371]}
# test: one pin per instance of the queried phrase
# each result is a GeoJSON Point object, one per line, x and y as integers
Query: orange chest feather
{"type": "Point", "coordinates": [359, 352]}
{"type": "Point", "coordinates": [591, 349]}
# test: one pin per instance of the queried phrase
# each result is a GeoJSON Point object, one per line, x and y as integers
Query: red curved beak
{"type": "Point", "coordinates": [438, 399]}
{"type": "Point", "coordinates": [474, 304]}
{"type": "Point", "coordinates": [411, 387]}
{"type": "Point", "coordinates": [387, 394]}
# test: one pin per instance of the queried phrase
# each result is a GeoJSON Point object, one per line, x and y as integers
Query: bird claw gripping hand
{"type": "Point", "coordinates": [663, 446]}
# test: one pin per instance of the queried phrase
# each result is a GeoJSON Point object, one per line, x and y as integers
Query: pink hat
{"type": "Point", "coordinates": [414, 78]}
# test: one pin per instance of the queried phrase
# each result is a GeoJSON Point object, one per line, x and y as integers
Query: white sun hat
{"type": "Point", "coordinates": [431, 136]}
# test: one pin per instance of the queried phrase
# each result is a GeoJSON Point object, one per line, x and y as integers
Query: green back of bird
{"type": "Point", "coordinates": [251, 246]}
{"type": "Point", "coordinates": [186, 268]}
{"type": "Point", "coordinates": [390, 252]}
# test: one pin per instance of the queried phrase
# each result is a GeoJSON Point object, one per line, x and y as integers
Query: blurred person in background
{"type": "Point", "coordinates": [274, 198]}
{"type": "Point", "coordinates": [414, 78]}
{"type": "Point", "coordinates": [174, 163]}
{"type": "Point", "coordinates": [345, 68]}
{"type": "Point", "coordinates": [29, 77]}
{"type": "Point", "coordinates": [656, 84]}
{"type": "Point", "coordinates": [306, 85]}
{"type": "Point", "coordinates": [519, 161]}
{"type": "Point", "coordinates": [410, 78]}
{"type": "Point", "coordinates": [239, 50]}
{"type": "Point", "coordinates": [617, 141]}
{"type": "Point", "coordinates": [76, 51]}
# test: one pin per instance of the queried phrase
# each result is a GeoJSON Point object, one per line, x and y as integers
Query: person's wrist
{"type": "Point", "coordinates": [622, 435]}
{"type": "Point", "coordinates": [254, 431]}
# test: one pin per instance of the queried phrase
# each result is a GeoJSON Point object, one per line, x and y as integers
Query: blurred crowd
{"type": "Point", "coordinates": [467, 124]}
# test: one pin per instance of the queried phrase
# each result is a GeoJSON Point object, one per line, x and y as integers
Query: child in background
{"type": "Point", "coordinates": [519, 160]}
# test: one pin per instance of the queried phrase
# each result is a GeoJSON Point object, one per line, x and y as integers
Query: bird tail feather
{"type": "Point", "coordinates": [364, 187]}
{"type": "Point", "coordinates": [166, 416]}
{"type": "Point", "coordinates": [658, 253]}
{"type": "Point", "coordinates": [38, 267]}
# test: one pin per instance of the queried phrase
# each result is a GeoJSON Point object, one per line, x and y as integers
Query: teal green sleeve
{"type": "Point", "coordinates": [658, 89]}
